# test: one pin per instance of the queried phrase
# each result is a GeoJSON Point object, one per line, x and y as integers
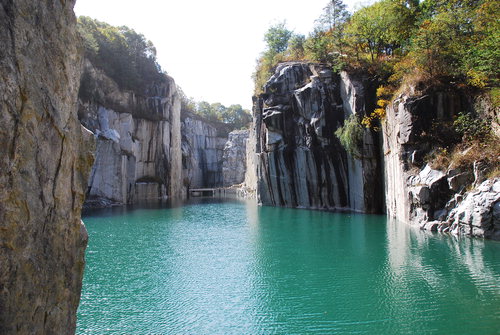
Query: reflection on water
{"type": "Point", "coordinates": [443, 279]}
{"type": "Point", "coordinates": [211, 267]}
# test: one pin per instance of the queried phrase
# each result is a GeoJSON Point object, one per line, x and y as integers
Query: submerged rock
{"type": "Point", "coordinates": [45, 158]}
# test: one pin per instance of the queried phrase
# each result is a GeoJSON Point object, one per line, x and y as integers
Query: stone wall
{"type": "Point", "coordinates": [365, 171]}
{"type": "Point", "coordinates": [45, 158]}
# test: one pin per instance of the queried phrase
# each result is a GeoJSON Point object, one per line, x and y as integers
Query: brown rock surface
{"type": "Point", "coordinates": [45, 157]}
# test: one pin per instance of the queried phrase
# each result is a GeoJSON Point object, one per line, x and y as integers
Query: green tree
{"type": "Point", "coordinates": [381, 29]}
{"type": "Point", "coordinates": [319, 46]}
{"type": "Point", "coordinates": [350, 136]}
{"type": "Point", "coordinates": [334, 15]}
{"type": "Point", "coordinates": [208, 111]}
{"type": "Point", "coordinates": [482, 57]}
{"type": "Point", "coordinates": [452, 41]}
{"type": "Point", "coordinates": [277, 37]}
{"type": "Point", "coordinates": [237, 116]}
{"type": "Point", "coordinates": [296, 46]}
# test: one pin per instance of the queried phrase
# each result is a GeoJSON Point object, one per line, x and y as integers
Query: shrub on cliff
{"type": "Point", "coordinates": [350, 136]}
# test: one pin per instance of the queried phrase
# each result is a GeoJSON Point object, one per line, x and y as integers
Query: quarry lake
{"type": "Point", "coordinates": [230, 267]}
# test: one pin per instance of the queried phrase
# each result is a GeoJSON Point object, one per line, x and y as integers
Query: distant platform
{"type": "Point", "coordinates": [205, 192]}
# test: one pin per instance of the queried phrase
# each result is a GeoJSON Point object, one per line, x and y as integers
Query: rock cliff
{"type": "Point", "coordinates": [45, 158]}
{"type": "Point", "coordinates": [202, 151]}
{"type": "Point", "coordinates": [138, 155]}
{"type": "Point", "coordinates": [234, 158]}
{"type": "Point", "coordinates": [299, 160]}
{"type": "Point", "coordinates": [295, 160]}
{"type": "Point", "coordinates": [415, 193]}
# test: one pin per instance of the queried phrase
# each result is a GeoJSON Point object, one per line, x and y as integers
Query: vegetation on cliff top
{"type": "Point", "coordinates": [123, 54]}
{"type": "Point", "coordinates": [233, 115]}
{"type": "Point", "coordinates": [397, 41]}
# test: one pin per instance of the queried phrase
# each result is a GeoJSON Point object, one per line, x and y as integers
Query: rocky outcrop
{"type": "Point", "coordinates": [299, 160]}
{"type": "Point", "coordinates": [45, 158]}
{"type": "Point", "coordinates": [478, 214]}
{"type": "Point", "coordinates": [203, 144]}
{"type": "Point", "coordinates": [138, 154]}
{"type": "Point", "coordinates": [234, 158]}
{"type": "Point", "coordinates": [475, 213]}
{"type": "Point", "coordinates": [410, 194]}
{"type": "Point", "coordinates": [435, 200]}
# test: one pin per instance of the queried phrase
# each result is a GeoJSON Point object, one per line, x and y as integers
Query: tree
{"type": "Point", "coordinates": [381, 28]}
{"type": "Point", "coordinates": [334, 15]}
{"type": "Point", "coordinates": [217, 112]}
{"type": "Point", "coordinates": [296, 46]}
{"type": "Point", "coordinates": [207, 110]}
{"type": "Point", "coordinates": [332, 22]}
{"type": "Point", "coordinates": [277, 37]}
{"type": "Point", "coordinates": [482, 57]}
{"type": "Point", "coordinates": [237, 116]}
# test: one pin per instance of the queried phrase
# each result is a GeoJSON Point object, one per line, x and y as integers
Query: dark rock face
{"type": "Point", "coordinates": [300, 162]}
{"type": "Point", "coordinates": [138, 154]}
{"type": "Point", "coordinates": [45, 158]}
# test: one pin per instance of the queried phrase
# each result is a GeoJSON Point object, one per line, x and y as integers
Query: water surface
{"type": "Point", "coordinates": [235, 268]}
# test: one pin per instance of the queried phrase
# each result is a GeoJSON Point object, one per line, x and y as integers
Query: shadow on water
{"type": "Point", "coordinates": [158, 204]}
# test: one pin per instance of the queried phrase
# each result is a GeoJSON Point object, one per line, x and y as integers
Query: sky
{"type": "Point", "coordinates": [209, 47]}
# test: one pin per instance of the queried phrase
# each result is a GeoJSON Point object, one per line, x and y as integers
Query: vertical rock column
{"type": "Point", "coordinates": [300, 162]}
{"type": "Point", "coordinates": [45, 157]}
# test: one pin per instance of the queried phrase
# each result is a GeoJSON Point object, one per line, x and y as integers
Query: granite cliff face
{"type": "Point", "coordinates": [202, 151]}
{"type": "Point", "coordinates": [436, 200]}
{"type": "Point", "coordinates": [299, 161]}
{"type": "Point", "coordinates": [138, 154]}
{"type": "Point", "coordinates": [234, 158]}
{"type": "Point", "coordinates": [45, 158]}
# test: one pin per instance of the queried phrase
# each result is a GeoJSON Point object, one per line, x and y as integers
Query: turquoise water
{"type": "Point", "coordinates": [235, 268]}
